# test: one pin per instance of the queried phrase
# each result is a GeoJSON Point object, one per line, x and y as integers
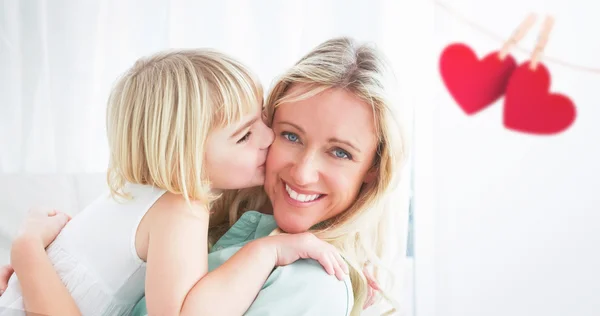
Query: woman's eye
{"type": "Point", "coordinates": [290, 136]}
{"type": "Point", "coordinates": [341, 154]}
{"type": "Point", "coordinates": [245, 138]}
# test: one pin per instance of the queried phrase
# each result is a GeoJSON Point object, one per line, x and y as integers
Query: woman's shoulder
{"type": "Point", "coordinates": [313, 271]}
{"type": "Point", "coordinates": [305, 285]}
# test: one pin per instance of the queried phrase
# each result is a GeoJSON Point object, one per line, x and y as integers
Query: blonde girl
{"type": "Point", "coordinates": [183, 126]}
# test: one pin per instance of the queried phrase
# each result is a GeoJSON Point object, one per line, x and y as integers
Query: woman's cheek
{"type": "Point", "coordinates": [342, 180]}
{"type": "Point", "coordinates": [281, 152]}
{"type": "Point", "coordinates": [275, 156]}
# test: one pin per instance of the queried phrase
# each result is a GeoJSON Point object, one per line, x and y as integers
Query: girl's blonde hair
{"type": "Point", "coordinates": [360, 233]}
{"type": "Point", "coordinates": [160, 114]}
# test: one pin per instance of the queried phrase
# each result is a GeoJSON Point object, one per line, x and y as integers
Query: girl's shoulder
{"type": "Point", "coordinates": [171, 205]}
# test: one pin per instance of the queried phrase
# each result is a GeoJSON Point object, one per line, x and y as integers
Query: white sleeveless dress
{"type": "Point", "coordinates": [95, 256]}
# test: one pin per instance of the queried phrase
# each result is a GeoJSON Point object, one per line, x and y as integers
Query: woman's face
{"type": "Point", "coordinates": [322, 153]}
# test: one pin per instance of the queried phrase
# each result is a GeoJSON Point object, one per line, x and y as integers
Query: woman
{"type": "Point", "coordinates": [329, 171]}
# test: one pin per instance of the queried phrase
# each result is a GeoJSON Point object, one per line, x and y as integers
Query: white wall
{"type": "Point", "coordinates": [515, 216]}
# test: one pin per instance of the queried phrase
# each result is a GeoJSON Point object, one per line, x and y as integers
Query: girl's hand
{"type": "Point", "coordinates": [42, 225]}
{"type": "Point", "coordinates": [292, 247]}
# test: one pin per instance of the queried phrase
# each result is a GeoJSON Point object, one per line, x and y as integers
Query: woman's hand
{"type": "Point", "coordinates": [5, 273]}
{"type": "Point", "coordinates": [292, 247]}
{"type": "Point", "coordinates": [42, 225]}
{"type": "Point", "coordinates": [43, 291]}
{"type": "Point", "coordinates": [373, 288]}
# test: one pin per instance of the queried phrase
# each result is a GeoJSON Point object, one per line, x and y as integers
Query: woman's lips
{"type": "Point", "coordinates": [300, 198]}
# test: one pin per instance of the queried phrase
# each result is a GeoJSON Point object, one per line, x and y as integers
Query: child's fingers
{"type": "Point", "coordinates": [326, 263]}
{"type": "Point", "coordinates": [339, 270]}
{"type": "Point", "coordinates": [339, 273]}
{"type": "Point", "coordinates": [342, 262]}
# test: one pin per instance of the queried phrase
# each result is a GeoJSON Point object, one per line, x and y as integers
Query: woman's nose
{"type": "Point", "coordinates": [305, 171]}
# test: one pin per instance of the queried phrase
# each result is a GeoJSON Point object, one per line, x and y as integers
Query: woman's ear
{"type": "Point", "coordinates": [371, 175]}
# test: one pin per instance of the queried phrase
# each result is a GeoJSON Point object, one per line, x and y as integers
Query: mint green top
{"type": "Point", "coordinates": [301, 288]}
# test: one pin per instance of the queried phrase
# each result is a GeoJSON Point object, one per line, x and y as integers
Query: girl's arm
{"type": "Point", "coordinates": [43, 290]}
{"type": "Point", "coordinates": [231, 288]}
{"type": "Point", "coordinates": [177, 263]}
{"type": "Point", "coordinates": [177, 252]}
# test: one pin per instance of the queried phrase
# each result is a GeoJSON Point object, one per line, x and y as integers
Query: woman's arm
{"type": "Point", "coordinates": [5, 274]}
{"type": "Point", "coordinates": [43, 291]}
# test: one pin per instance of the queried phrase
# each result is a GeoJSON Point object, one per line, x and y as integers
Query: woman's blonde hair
{"type": "Point", "coordinates": [360, 233]}
{"type": "Point", "coordinates": [161, 111]}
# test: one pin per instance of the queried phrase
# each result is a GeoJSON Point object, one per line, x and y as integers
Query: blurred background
{"type": "Point", "coordinates": [516, 215]}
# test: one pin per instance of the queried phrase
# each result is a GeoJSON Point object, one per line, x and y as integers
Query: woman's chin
{"type": "Point", "coordinates": [289, 224]}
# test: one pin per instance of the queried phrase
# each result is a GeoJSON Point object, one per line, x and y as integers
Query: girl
{"type": "Point", "coordinates": [182, 127]}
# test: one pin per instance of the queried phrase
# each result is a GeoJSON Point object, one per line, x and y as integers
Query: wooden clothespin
{"type": "Point", "coordinates": [541, 42]}
{"type": "Point", "coordinates": [517, 35]}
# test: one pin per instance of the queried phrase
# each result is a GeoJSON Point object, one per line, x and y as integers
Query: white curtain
{"type": "Point", "coordinates": [59, 59]}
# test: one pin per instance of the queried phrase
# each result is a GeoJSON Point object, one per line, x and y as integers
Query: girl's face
{"type": "Point", "coordinates": [322, 154]}
{"type": "Point", "coordinates": [236, 154]}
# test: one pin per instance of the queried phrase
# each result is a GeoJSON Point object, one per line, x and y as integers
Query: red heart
{"type": "Point", "coordinates": [530, 108]}
{"type": "Point", "coordinates": [474, 84]}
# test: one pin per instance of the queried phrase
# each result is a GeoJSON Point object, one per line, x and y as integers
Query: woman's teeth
{"type": "Point", "coordinates": [301, 197]}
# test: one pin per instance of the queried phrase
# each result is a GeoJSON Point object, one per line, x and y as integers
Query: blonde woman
{"type": "Point", "coordinates": [330, 170]}
{"type": "Point", "coordinates": [182, 126]}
